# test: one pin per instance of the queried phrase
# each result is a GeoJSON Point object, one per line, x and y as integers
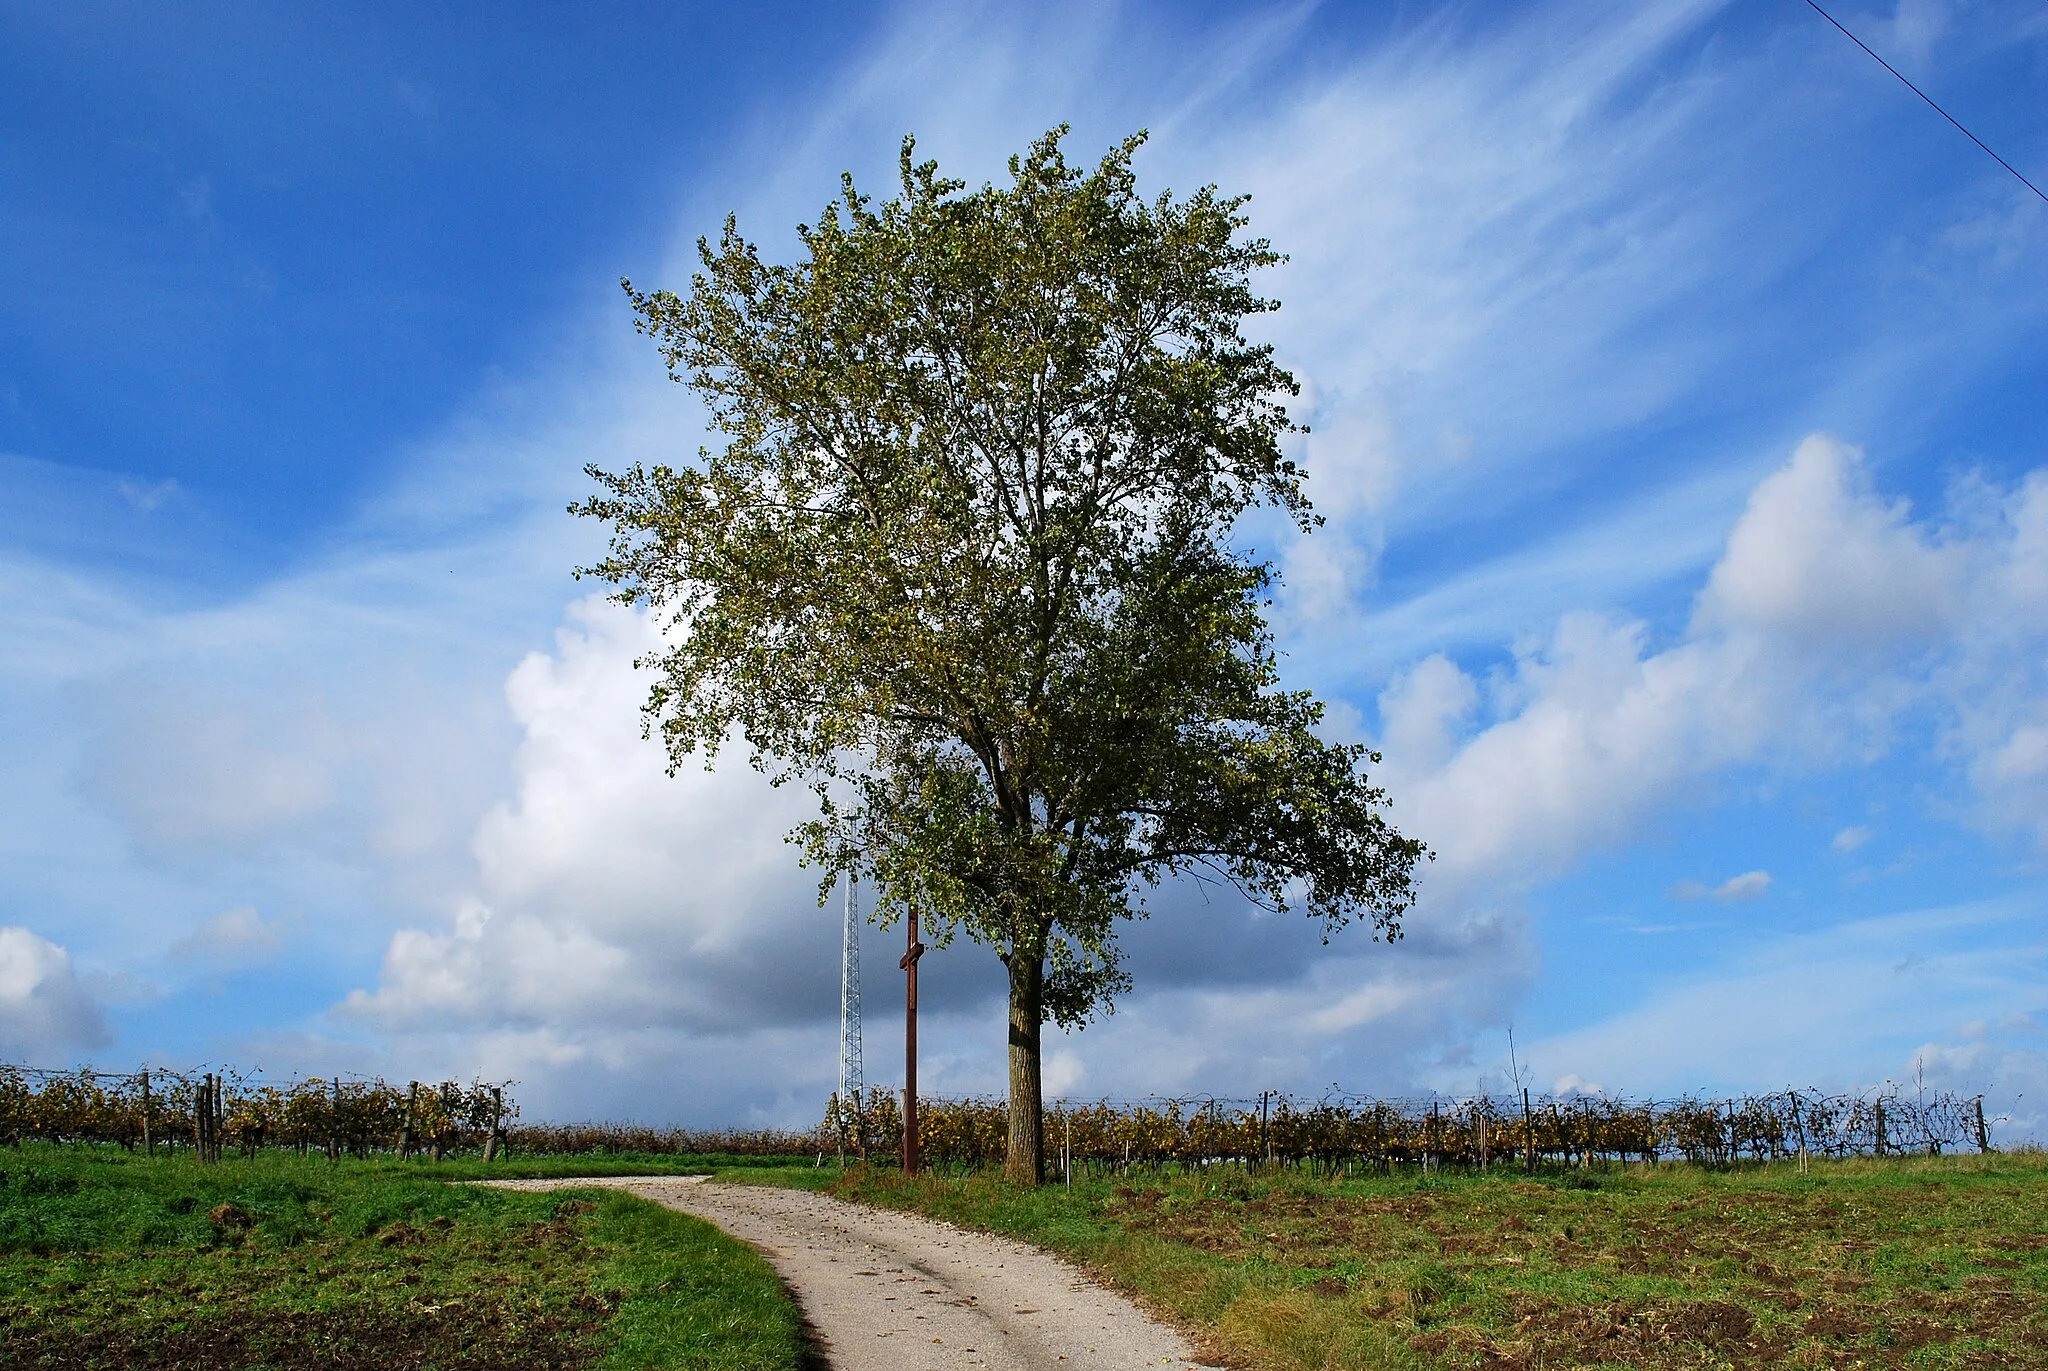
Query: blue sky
{"type": "Point", "coordinates": [1675, 380]}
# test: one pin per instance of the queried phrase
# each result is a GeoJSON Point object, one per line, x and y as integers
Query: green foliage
{"type": "Point", "coordinates": [112, 1260]}
{"type": "Point", "coordinates": [964, 563]}
{"type": "Point", "coordinates": [1930, 1262]}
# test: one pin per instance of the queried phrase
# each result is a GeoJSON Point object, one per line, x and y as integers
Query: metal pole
{"type": "Point", "coordinates": [851, 1085]}
{"type": "Point", "coordinates": [909, 965]}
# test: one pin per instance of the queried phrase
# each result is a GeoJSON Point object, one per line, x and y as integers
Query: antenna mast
{"type": "Point", "coordinates": [851, 1087]}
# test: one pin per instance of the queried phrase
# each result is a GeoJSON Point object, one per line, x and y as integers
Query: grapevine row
{"type": "Point", "coordinates": [1340, 1130]}
{"type": "Point", "coordinates": [211, 1113]}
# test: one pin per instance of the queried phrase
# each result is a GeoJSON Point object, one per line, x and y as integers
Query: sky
{"type": "Point", "coordinates": [1675, 382]}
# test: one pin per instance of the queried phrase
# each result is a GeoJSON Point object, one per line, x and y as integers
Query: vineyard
{"type": "Point", "coordinates": [208, 1113]}
{"type": "Point", "coordinates": [212, 1112]}
{"type": "Point", "coordinates": [1339, 1132]}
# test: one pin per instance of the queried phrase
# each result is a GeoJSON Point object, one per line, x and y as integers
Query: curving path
{"type": "Point", "coordinates": [885, 1291]}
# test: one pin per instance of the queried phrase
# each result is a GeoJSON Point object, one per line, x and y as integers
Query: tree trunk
{"type": "Point", "coordinates": [1026, 1160]}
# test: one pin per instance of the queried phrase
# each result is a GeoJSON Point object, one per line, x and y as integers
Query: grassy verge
{"type": "Point", "coordinates": [1927, 1263]}
{"type": "Point", "coordinates": [109, 1260]}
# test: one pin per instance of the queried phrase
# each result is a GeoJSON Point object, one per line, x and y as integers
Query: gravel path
{"type": "Point", "coordinates": [885, 1291]}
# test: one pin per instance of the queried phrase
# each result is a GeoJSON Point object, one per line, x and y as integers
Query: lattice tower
{"type": "Point", "coordinates": [851, 1087]}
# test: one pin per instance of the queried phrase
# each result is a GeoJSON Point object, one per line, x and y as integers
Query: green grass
{"type": "Point", "coordinates": [1927, 1263]}
{"type": "Point", "coordinates": [112, 1260]}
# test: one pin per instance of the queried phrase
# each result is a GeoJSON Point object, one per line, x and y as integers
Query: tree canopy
{"type": "Point", "coordinates": [964, 563]}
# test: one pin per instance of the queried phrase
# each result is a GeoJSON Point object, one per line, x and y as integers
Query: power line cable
{"type": "Point", "coordinates": [1929, 99]}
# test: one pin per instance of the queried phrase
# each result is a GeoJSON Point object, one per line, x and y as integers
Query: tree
{"type": "Point", "coordinates": [964, 564]}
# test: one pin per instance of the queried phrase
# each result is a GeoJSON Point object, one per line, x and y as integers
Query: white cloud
{"type": "Point", "coordinates": [610, 894]}
{"type": "Point", "coordinates": [1828, 616]}
{"type": "Point", "coordinates": [1063, 1074]}
{"type": "Point", "coordinates": [44, 1010]}
{"type": "Point", "coordinates": [1822, 563]}
{"type": "Point", "coordinates": [1837, 1007]}
{"type": "Point", "coordinates": [225, 769]}
{"type": "Point", "coordinates": [1748, 886]}
{"type": "Point", "coordinates": [1849, 839]}
{"type": "Point", "coordinates": [147, 498]}
{"type": "Point", "coordinates": [234, 937]}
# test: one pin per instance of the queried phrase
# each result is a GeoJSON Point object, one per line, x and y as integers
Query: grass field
{"type": "Point", "coordinates": [1926, 1263]}
{"type": "Point", "coordinates": [111, 1260]}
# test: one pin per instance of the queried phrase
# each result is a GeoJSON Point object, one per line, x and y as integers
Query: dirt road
{"type": "Point", "coordinates": [892, 1292]}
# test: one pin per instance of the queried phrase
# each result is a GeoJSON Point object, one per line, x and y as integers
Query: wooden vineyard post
{"type": "Point", "coordinates": [1265, 1142]}
{"type": "Point", "coordinates": [1480, 1143]}
{"type": "Point", "coordinates": [149, 1139]}
{"type": "Point", "coordinates": [219, 1129]}
{"type": "Point", "coordinates": [1880, 1128]}
{"type": "Point", "coordinates": [334, 1123]}
{"type": "Point", "coordinates": [1983, 1133]}
{"type": "Point", "coordinates": [1528, 1134]}
{"type": "Point", "coordinates": [412, 1096]}
{"type": "Point", "coordinates": [199, 1118]}
{"type": "Point", "coordinates": [497, 1118]}
{"type": "Point", "coordinates": [909, 965]}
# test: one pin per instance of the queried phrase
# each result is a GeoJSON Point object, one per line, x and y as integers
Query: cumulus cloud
{"type": "Point", "coordinates": [610, 894]}
{"type": "Point", "coordinates": [1830, 614]}
{"type": "Point", "coordinates": [1822, 563]}
{"type": "Point", "coordinates": [1851, 838]}
{"type": "Point", "coordinates": [44, 1010]}
{"type": "Point", "coordinates": [619, 910]}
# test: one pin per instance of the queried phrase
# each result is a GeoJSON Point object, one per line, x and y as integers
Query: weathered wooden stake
{"type": "Point", "coordinates": [149, 1139]}
{"type": "Point", "coordinates": [497, 1118]}
{"type": "Point", "coordinates": [412, 1096]}
{"type": "Point", "coordinates": [1983, 1133]}
{"type": "Point", "coordinates": [1528, 1134]}
{"type": "Point", "coordinates": [909, 965]}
